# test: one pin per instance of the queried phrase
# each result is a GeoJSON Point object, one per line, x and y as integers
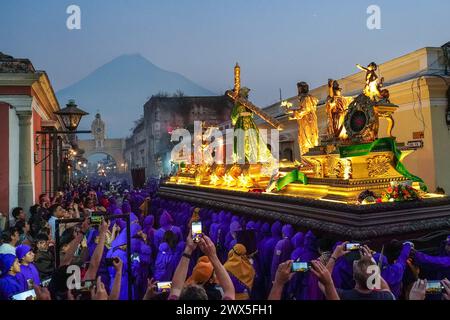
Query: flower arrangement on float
{"type": "Point", "coordinates": [400, 191]}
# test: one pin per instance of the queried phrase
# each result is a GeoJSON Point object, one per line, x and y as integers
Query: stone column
{"type": "Point", "coordinates": [25, 161]}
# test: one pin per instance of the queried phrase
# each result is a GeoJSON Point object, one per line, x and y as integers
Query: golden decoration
{"type": "Point", "coordinates": [378, 165]}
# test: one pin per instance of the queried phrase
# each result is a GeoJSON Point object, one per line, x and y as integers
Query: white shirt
{"type": "Point", "coordinates": [7, 248]}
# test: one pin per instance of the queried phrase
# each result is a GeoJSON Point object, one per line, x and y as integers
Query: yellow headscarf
{"type": "Point", "coordinates": [239, 265]}
{"type": "Point", "coordinates": [145, 206]}
{"type": "Point", "coordinates": [203, 271]}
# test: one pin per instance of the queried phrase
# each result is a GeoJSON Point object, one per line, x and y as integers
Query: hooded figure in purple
{"type": "Point", "coordinates": [393, 272]}
{"type": "Point", "coordinates": [297, 245]}
{"type": "Point", "coordinates": [28, 271]}
{"type": "Point", "coordinates": [299, 284]}
{"type": "Point", "coordinates": [214, 227]}
{"type": "Point", "coordinates": [142, 255]}
{"type": "Point", "coordinates": [230, 239]}
{"type": "Point", "coordinates": [263, 231]}
{"type": "Point", "coordinates": [126, 207]}
{"type": "Point", "coordinates": [267, 252]}
{"type": "Point", "coordinates": [119, 249]}
{"type": "Point", "coordinates": [224, 228]}
{"type": "Point", "coordinates": [166, 224]}
{"type": "Point", "coordinates": [283, 249]}
{"type": "Point", "coordinates": [147, 228]}
{"type": "Point", "coordinates": [164, 263]}
{"type": "Point", "coordinates": [103, 271]}
{"type": "Point", "coordinates": [435, 267]}
{"type": "Point", "coordinates": [112, 205]}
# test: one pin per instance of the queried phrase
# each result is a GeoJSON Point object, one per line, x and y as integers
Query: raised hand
{"type": "Point", "coordinates": [151, 286]}
{"type": "Point", "coordinates": [207, 246]}
{"type": "Point", "coordinates": [104, 226]}
{"type": "Point", "coordinates": [446, 292]}
{"type": "Point", "coordinates": [190, 244]}
{"type": "Point", "coordinates": [321, 272]}
{"type": "Point", "coordinates": [284, 272]}
{"type": "Point", "coordinates": [85, 225]}
{"type": "Point", "coordinates": [339, 251]}
{"type": "Point", "coordinates": [99, 292]}
{"type": "Point", "coordinates": [42, 293]}
{"type": "Point", "coordinates": [118, 264]}
{"type": "Point", "coordinates": [418, 290]}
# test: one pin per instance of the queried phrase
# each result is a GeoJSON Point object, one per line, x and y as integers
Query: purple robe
{"type": "Point", "coordinates": [166, 224]}
{"type": "Point", "coordinates": [230, 241]}
{"type": "Point", "coordinates": [165, 261]}
{"type": "Point", "coordinates": [29, 272]}
{"type": "Point", "coordinates": [297, 244]}
{"type": "Point", "coordinates": [10, 285]}
{"type": "Point", "coordinates": [267, 252]}
{"type": "Point", "coordinates": [298, 287]}
{"type": "Point", "coordinates": [214, 228]}
{"type": "Point", "coordinates": [148, 229]}
{"type": "Point", "coordinates": [282, 250]}
{"type": "Point", "coordinates": [393, 273]}
{"type": "Point", "coordinates": [437, 267]}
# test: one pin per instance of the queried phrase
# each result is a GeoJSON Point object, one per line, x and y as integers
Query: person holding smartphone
{"type": "Point", "coordinates": [180, 291]}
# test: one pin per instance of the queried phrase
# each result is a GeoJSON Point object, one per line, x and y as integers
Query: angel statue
{"type": "Point", "coordinates": [371, 88]}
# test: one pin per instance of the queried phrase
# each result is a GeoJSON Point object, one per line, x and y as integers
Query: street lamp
{"type": "Point", "coordinates": [71, 115]}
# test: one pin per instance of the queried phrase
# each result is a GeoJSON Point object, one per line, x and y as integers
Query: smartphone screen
{"type": "Point", "coordinates": [95, 219]}
{"type": "Point", "coordinates": [164, 286]}
{"type": "Point", "coordinates": [46, 282]}
{"type": "Point", "coordinates": [24, 295]}
{"type": "Point", "coordinates": [87, 285]}
{"type": "Point", "coordinates": [135, 257]}
{"type": "Point", "coordinates": [196, 230]}
{"type": "Point", "coordinates": [352, 246]}
{"type": "Point", "coordinates": [300, 266]}
{"type": "Point", "coordinates": [434, 287]}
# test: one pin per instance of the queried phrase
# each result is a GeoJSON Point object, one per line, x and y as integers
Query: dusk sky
{"type": "Point", "coordinates": [277, 43]}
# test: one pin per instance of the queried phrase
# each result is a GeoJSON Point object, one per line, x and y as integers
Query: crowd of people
{"type": "Point", "coordinates": [233, 257]}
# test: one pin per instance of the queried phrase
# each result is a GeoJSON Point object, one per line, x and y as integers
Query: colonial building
{"type": "Point", "coordinates": [31, 162]}
{"type": "Point", "coordinates": [136, 147]}
{"type": "Point", "coordinates": [418, 83]}
{"type": "Point", "coordinates": [150, 146]}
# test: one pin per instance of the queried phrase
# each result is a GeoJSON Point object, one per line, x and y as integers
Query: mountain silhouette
{"type": "Point", "coordinates": [119, 89]}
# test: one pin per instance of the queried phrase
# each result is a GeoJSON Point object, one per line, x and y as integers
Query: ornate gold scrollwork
{"type": "Point", "coordinates": [378, 165]}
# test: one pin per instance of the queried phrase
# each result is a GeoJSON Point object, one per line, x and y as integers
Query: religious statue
{"type": "Point", "coordinates": [255, 148]}
{"type": "Point", "coordinates": [371, 88]}
{"type": "Point", "coordinates": [336, 108]}
{"type": "Point", "coordinates": [305, 114]}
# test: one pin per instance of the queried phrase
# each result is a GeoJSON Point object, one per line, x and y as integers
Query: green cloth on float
{"type": "Point", "coordinates": [360, 150]}
{"type": "Point", "coordinates": [383, 143]}
{"type": "Point", "coordinates": [292, 176]}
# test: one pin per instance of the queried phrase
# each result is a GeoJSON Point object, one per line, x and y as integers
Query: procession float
{"type": "Point", "coordinates": [347, 182]}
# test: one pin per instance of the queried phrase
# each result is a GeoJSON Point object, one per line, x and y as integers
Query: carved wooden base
{"type": "Point", "coordinates": [344, 221]}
